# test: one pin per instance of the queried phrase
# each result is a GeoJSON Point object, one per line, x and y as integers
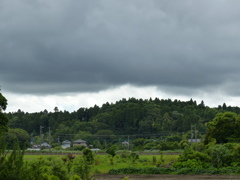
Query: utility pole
{"type": "Point", "coordinates": [128, 144]}
{"type": "Point", "coordinates": [49, 137]}
{"type": "Point", "coordinates": [41, 137]}
{"type": "Point", "coordinates": [192, 133]}
{"type": "Point", "coordinates": [196, 131]}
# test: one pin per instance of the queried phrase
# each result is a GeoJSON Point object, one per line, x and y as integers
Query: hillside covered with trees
{"type": "Point", "coordinates": [111, 123]}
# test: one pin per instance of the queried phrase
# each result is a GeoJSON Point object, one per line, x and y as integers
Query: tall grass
{"type": "Point", "coordinates": [102, 163]}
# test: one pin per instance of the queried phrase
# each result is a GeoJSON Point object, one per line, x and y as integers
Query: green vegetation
{"type": "Point", "coordinates": [101, 163]}
{"type": "Point", "coordinates": [123, 130]}
{"type": "Point", "coordinates": [3, 117]}
{"type": "Point", "coordinates": [159, 124]}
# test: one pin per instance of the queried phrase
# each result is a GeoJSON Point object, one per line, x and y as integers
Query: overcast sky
{"type": "Point", "coordinates": [78, 53]}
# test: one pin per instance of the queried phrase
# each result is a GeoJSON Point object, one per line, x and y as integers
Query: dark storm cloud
{"type": "Point", "coordinates": [59, 46]}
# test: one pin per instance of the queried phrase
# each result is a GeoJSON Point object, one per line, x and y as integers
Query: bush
{"type": "Point", "coordinates": [191, 154]}
{"type": "Point", "coordinates": [77, 148]}
{"type": "Point", "coordinates": [124, 154]}
{"type": "Point", "coordinates": [58, 148]}
{"type": "Point", "coordinates": [83, 165]}
{"type": "Point", "coordinates": [150, 170]}
{"type": "Point", "coordinates": [75, 177]}
{"type": "Point", "coordinates": [112, 150]}
{"type": "Point", "coordinates": [10, 164]}
{"type": "Point", "coordinates": [52, 177]}
{"type": "Point", "coordinates": [220, 155]}
{"type": "Point", "coordinates": [191, 163]}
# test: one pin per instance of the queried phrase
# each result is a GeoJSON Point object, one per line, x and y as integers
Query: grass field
{"type": "Point", "coordinates": [102, 163]}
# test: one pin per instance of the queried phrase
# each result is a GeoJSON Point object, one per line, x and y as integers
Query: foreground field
{"type": "Point", "coordinates": [103, 163]}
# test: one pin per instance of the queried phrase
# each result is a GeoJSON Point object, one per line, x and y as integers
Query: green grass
{"type": "Point", "coordinates": [36, 157]}
{"type": "Point", "coordinates": [102, 163]}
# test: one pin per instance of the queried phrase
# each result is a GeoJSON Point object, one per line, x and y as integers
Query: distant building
{"type": "Point", "coordinates": [125, 143]}
{"type": "Point", "coordinates": [43, 145]}
{"type": "Point", "coordinates": [194, 140]}
{"type": "Point", "coordinates": [95, 150]}
{"type": "Point", "coordinates": [36, 146]}
{"type": "Point", "coordinates": [66, 144]}
{"type": "Point", "coordinates": [80, 142]}
{"type": "Point", "coordinates": [46, 145]}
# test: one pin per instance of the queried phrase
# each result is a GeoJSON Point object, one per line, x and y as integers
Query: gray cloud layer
{"type": "Point", "coordinates": [51, 46]}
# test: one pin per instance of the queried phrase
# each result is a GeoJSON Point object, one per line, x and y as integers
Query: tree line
{"type": "Point", "coordinates": [142, 118]}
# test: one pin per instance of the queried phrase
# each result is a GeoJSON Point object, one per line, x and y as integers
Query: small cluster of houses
{"type": "Point", "coordinates": [65, 144]}
{"type": "Point", "coordinates": [79, 142]}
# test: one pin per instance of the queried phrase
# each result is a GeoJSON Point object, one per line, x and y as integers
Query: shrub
{"type": "Point", "coordinates": [58, 147]}
{"type": "Point", "coordinates": [77, 148]}
{"type": "Point", "coordinates": [154, 160]}
{"type": "Point", "coordinates": [75, 177]}
{"type": "Point", "coordinates": [83, 165]}
{"type": "Point", "coordinates": [59, 170]}
{"type": "Point", "coordinates": [52, 177]}
{"type": "Point", "coordinates": [124, 154]}
{"type": "Point", "coordinates": [220, 155]}
{"type": "Point", "coordinates": [149, 170]}
{"type": "Point", "coordinates": [112, 150]}
{"type": "Point", "coordinates": [191, 154]}
{"type": "Point", "coordinates": [190, 163]}
{"type": "Point", "coordinates": [68, 157]}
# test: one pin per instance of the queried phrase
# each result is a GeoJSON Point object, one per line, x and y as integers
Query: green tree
{"type": "Point", "coordinates": [11, 164]}
{"type": "Point", "coordinates": [3, 117]}
{"type": "Point", "coordinates": [224, 127]}
{"type": "Point", "coordinates": [112, 150]}
{"type": "Point", "coordinates": [19, 135]}
{"type": "Point", "coordinates": [84, 164]}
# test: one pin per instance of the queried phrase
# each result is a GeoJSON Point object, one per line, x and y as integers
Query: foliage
{"type": "Point", "coordinates": [10, 165]}
{"type": "Point", "coordinates": [59, 170]}
{"type": "Point", "coordinates": [112, 150]}
{"type": "Point", "coordinates": [174, 138]}
{"type": "Point", "coordinates": [69, 157]}
{"type": "Point", "coordinates": [133, 156]}
{"type": "Point", "coordinates": [19, 135]}
{"type": "Point", "coordinates": [84, 165]}
{"type": "Point", "coordinates": [3, 117]}
{"type": "Point", "coordinates": [77, 148]}
{"type": "Point", "coordinates": [75, 177]}
{"type": "Point", "coordinates": [221, 155]}
{"type": "Point", "coordinates": [132, 170]}
{"type": "Point", "coordinates": [191, 163]}
{"type": "Point", "coordinates": [191, 154]}
{"type": "Point", "coordinates": [124, 154]}
{"type": "Point", "coordinates": [224, 127]}
{"type": "Point", "coordinates": [101, 126]}
{"type": "Point", "coordinates": [161, 160]}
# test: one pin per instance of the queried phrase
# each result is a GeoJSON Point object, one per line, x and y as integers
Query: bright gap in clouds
{"type": "Point", "coordinates": [73, 101]}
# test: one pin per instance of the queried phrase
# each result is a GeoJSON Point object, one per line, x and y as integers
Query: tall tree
{"type": "Point", "coordinates": [3, 117]}
{"type": "Point", "coordinates": [225, 127]}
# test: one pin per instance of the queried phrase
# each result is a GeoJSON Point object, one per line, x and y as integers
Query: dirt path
{"type": "Point", "coordinates": [167, 177]}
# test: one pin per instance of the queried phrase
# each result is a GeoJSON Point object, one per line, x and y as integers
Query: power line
{"type": "Point", "coordinates": [116, 135]}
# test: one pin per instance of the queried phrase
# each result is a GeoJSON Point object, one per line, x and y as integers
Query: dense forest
{"type": "Point", "coordinates": [134, 118]}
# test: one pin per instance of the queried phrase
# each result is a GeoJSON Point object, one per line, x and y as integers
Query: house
{"type": "Point", "coordinates": [66, 144]}
{"type": "Point", "coordinates": [36, 146]}
{"type": "Point", "coordinates": [125, 143]}
{"type": "Point", "coordinates": [95, 150]}
{"type": "Point", "coordinates": [46, 145]}
{"type": "Point", "coordinates": [43, 145]}
{"type": "Point", "coordinates": [194, 140]}
{"type": "Point", "coordinates": [80, 142]}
